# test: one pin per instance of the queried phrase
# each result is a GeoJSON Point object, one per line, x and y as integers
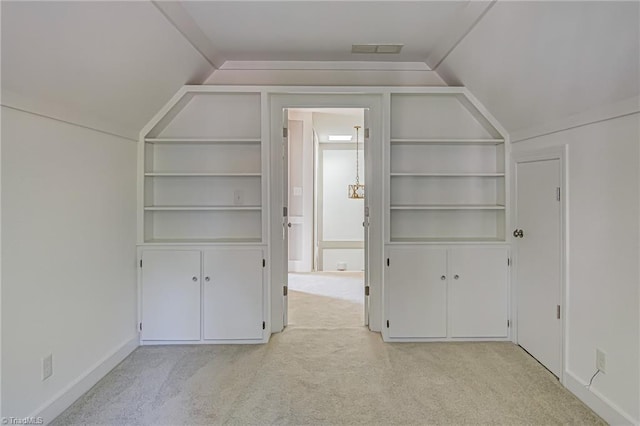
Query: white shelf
{"type": "Point", "coordinates": [190, 241]}
{"type": "Point", "coordinates": [403, 174]}
{"type": "Point", "coordinates": [202, 208]}
{"type": "Point", "coordinates": [448, 240]}
{"type": "Point", "coordinates": [445, 141]}
{"type": "Point", "coordinates": [172, 174]}
{"type": "Point", "coordinates": [448, 207]}
{"type": "Point", "coordinates": [203, 140]}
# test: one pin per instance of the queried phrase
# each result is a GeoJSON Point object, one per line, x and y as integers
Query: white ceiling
{"type": "Point", "coordinates": [322, 30]}
{"type": "Point", "coordinates": [107, 65]}
{"type": "Point", "coordinates": [112, 65]}
{"type": "Point", "coordinates": [532, 62]}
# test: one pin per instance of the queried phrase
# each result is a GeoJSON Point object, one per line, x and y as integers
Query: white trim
{"type": "Point", "coordinates": [464, 23]}
{"type": "Point", "coordinates": [67, 396]}
{"type": "Point", "coordinates": [606, 409]}
{"type": "Point", "coordinates": [615, 110]}
{"type": "Point", "coordinates": [304, 97]}
{"type": "Point", "coordinates": [325, 65]}
{"type": "Point", "coordinates": [554, 153]}
{"type": "Point", "coordinates": [175, 14]}
{"type": "Point", "coordinates": [19, 103]}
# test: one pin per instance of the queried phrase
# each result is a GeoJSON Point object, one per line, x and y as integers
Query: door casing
{"type": "Point", "coordinates": [278, 102]}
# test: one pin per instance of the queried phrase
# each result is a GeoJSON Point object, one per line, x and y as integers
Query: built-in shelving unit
{"type": "Point", "coordinates": [203, 178]}
{"type": "Point", "coordinates": [446, 172]}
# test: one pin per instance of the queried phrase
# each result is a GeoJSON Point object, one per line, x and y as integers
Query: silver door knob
{"type": "Point", "coordinates": [455, 277]}
{"type": "Point", "coordinates": [194, 279]}
{"type": "Point", "coordinates": [518, 233]}
{"type": "Point", "coordinates": [207, 279]}
{"type": "Point", "coordinates": [443, 277]}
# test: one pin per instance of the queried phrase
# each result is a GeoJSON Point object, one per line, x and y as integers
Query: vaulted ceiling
{"type": "Point", "coordinates": [112, 65]}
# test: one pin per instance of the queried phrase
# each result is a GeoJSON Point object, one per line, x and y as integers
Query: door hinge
{"type": "Point", "coordinates": [285, 132]}
{"type": "Point", "coordinates": [387, 323]}
{"type": "Point", "coordinates": [558, 311]}
{"type": "Point", "coordinates": [141, 263]}
{"type": "Point", "coordinates": [366, 211]}
{"type": "Point", "coordinates": [366, 133]}
{"type": "Point", "coordinates": [140, 326]}
{"type": "Point", "coordinates": [508, 323]}
{"type": "Point", "coordinates": [264, 263]}
{"type": "Point", "coordinates": [285, 290]}
{"type": "Point", "coordinates": [387, 261]}
{"type": "Point", "coordinates": [558, 194]}
{"type": "Point", "coordinates": [285, 211]}
{"type": "Point", "coordinates": [264, 325]}
{"type": "Point", "coordinates": [366, 290]}
{"type": "Point", "coordinates": [508, 261]}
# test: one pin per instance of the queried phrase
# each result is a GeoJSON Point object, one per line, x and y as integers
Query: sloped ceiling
{"type": "Point", "coordinates": [534, 62]}
{"type": "Point", "coordinates": [112, 65]}
{"type": "Point", "coordinates": [106, 65]}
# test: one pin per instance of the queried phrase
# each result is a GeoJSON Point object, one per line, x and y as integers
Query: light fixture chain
{"type": "Point", "coordinates": [357, 156]}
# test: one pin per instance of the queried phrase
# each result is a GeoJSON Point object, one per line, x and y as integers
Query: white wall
{"type": "Point", "coordinates": [69, 261]}
{"type": "Point", "coordinates": [603, 284]}
{"type": "Point", "coordinates": [302, 205]}
{"type": "Point", "coordinates": [341, 233]}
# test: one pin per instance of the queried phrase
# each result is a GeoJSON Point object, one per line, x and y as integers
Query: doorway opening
{"type": "Point", "coordinates": [326, 228]}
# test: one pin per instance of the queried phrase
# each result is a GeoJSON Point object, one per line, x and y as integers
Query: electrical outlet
{"type": "Point", "coordinates": [47, 366]}
{"type": "Point", "coordinates": [238, 197]}
{"type": "Point", "coordinates": [601, 360]}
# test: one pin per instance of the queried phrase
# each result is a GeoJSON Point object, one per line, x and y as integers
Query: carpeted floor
{"type": "Point", "coordinates": [326, 368]}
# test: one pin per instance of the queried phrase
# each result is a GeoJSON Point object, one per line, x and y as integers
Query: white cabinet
{"type": "Point", "coordinates": [447, 292]}
{"type": "Point", "coordinates": [233, 293]}
{"type": "Point", "coordinates": [417, 292]}
{"type": "Point", "coordinates": [478, 292]}
{"type": "Point", "coordinates": [220, 288]}
{"type": "Point", "coordinates": [171, 295]}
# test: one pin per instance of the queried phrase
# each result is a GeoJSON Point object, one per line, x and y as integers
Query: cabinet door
{"type": "Point", "coordinates": [170, 295]}
{"type": "Point", "coordinates": [233, 293]}
{"type": "Point", "coordinates": [478, 292]}
{"type": "Point", "coordinates": [417, 292]}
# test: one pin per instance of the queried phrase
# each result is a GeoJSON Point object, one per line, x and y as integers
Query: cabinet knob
{"type": "Point", "coordinates": [455, 277]}
{"type": "Point", "coordinates": [194, 279]}
{"type": "Point", "coordinates": [444, 277]}
{"type": "Point", "coordinates": [518, 233]}
{"type": "Point", "coordinates": [207, 279]}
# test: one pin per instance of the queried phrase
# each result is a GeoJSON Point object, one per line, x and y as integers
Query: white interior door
{"type": "Point", "coordinates": [300, 165]}
{"type": "Point", "coordinates": [285, 216]}
{"type": "Point", "coordinates": [365, 223]}
{"type": "Point", "coordinates": [537, 240]}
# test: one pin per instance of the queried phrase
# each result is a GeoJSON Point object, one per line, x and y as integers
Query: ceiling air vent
{"type": "Point", "coordinates": [376, 48]}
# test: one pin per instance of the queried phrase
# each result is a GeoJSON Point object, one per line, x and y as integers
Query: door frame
{"type": "Point", "coordinates": [272, 117]}
{"type": "Point", "coordinates": [560, 153]}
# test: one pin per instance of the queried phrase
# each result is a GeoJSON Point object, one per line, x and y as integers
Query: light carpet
{"type": "Point", "coordinates": [326, 369]}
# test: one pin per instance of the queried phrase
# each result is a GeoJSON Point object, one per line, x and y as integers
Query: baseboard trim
{"type": "Point", "coordinates": [67, 396]}
{"type": "Point", "coordinates": [597, 402]}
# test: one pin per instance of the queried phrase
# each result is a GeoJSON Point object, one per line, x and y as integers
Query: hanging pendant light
{"type": "Point", "coordinates": [356, 191]}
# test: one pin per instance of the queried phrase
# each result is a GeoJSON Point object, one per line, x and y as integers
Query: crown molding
{"type": "Point", "coordinates": [325, 65]}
